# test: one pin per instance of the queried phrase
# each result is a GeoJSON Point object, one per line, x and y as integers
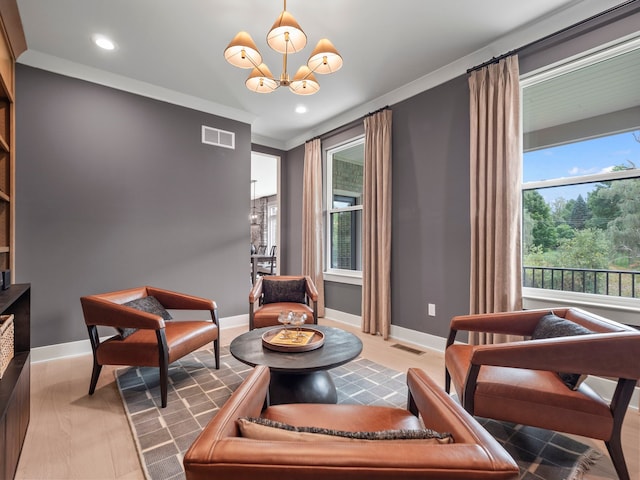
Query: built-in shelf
{"type": "Point", "coordinates": [16, 300]}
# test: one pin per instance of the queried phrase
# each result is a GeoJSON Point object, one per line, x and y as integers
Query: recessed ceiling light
{"type": "Point", "coordinates": [301, 109]}
{"type": "Point", "coordinates": [103, 42]}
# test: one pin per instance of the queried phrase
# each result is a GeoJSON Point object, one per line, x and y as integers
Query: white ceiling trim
{"type": "Point", "coordinates": [61, 66]}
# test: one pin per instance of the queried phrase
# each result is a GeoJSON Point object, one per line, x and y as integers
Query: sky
{"type": "Point", "coordinates": [598, 155]}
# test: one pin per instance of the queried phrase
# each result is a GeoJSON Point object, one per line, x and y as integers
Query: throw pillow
{"type": "Point", "coordinates": [265, 429]}
{"type": "Point", "coordinates": [552, 326]}
{"type": "Point", "coordinates": [146, 304]}
{"type": "Point", "coordinates": [277, 291]}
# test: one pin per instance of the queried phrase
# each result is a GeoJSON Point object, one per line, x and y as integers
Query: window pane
{"type": "Point", "coordinates": [583, 238]}
{"type": "Point", "coordinates": [599, 155]}
{"type": "Point", "coordinates": [348, 174]}
{"type": "Point", "coordinates": [346, 240]}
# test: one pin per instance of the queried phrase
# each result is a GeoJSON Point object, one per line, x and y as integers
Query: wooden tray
{"type": "Point", "coordinates": [271, 340]}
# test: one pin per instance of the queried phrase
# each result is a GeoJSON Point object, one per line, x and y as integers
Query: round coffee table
{"type": "Point", "coordinates": [299, 377]}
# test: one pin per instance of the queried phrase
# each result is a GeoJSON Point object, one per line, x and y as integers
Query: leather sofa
{"type": "Point", "coordinates": [521, 381]}
{"type": "Point", "coordinates": [221, 452]}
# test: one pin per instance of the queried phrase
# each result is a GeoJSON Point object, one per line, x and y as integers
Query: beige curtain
{"type": "Point", "coordinates": [496, 175]}
{"type": "Point", "coordinates": [376, 269]}
{"type": "Point", "coordinates": [312, 218]}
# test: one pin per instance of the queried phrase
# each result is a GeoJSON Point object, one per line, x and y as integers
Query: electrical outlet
{"type": "Point", "coordinates": [431, 310]}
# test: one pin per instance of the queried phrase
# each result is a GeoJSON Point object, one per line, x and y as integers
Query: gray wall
{"type": "Point", "coordinates": [115, 190]}
{"type": "Point", "coordinates": [431, 230]}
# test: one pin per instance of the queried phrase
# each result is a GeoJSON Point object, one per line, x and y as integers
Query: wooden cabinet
{"type": "Point", "coordinates": [16, 382]}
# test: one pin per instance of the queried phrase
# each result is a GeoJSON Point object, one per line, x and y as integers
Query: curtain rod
{"type": "Point", "coordinates": [347, 126]}
{"type": "Point", "coordinates": [551, 35]}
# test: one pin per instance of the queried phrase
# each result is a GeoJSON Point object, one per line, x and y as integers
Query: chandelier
{"type": "Point", "coordinates": [285, 37]}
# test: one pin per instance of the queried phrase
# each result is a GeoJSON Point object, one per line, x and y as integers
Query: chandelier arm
{"type": "Point", "coordinates": [258, 68]}
{"type": "Point", "coordinates": [311, 71]}
{"type": "Point", "coordinates": [284, 75]}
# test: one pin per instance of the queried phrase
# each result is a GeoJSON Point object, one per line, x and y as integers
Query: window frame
{"type": "Point", "coordinates": [585, 59]}
{"type": "Point", "coordinates": [337, 274]}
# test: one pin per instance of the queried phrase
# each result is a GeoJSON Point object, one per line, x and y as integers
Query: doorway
{"type": "Point", "coordinates": [265, 210]}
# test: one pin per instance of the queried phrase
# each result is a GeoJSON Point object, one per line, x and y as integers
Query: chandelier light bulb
{"type": "Point", "coordinates": [261, 80]}
{"type": "Point", "coordinates": [242, 51]}
{"type": "Point", "coordinates": [304, 82]}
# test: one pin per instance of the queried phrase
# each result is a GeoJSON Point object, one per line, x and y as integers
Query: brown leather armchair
{"type": "Point", "coordinates": [221, 452]}
{"type": "Point", "coordinates": [519, 381]}
{"type": "Point", "coordinates": [146, 338]}
{"type": "Point", "coordinates": [277, 293]}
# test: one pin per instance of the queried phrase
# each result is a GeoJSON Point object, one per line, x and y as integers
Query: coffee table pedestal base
{"type": "Point", "coordinates": [313, 387]}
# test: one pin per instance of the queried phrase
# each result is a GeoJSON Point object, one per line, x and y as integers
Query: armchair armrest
{"type": "Point", "coordinates": [599, 354]}
{"type": "Point", "coordinates": [509, 323]}
{"type": "Point", "coordinates": [247, 401]}
{"type": "Point", "coordinates": [256, 291]}
{"type": "Point", "coordinates": [438, 410]}
{"type": "Point", "coordinates": [310, 288]}
{"type": "Point", "coordinates": [103, 312]}
{"type": "Point", "coordinates": [180, 301]}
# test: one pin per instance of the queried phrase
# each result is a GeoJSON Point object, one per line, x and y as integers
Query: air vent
{"type": "Point", "coordinates": [217, 137]}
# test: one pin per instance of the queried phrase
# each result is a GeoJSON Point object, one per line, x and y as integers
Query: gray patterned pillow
{"type": "Point", "coordinates": [265, 429]}
{"type": "Point", "coordinates": [146, 304]}
{"type": "Point", "coordinates": [552, 326]}
{"type": "Point", "coordinates": [277, 291]}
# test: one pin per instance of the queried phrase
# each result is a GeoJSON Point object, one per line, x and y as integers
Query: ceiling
{"type": "Point", "coordinates": [604, 87]}
{"type": "Point", "coordinates": [392, 50]}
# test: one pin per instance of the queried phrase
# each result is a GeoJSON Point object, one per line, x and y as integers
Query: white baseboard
{"type": "Point", "coordinates": [405, 335]}
{"type": "Point", "coordinates": [60, 350]}
{"type": "Point", "coordinates": [342, 317]}
{"type": "Point", "coordinates": [83, 347]}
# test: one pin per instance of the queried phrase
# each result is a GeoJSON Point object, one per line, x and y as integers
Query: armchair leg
{"type": "Point", "coordinates": [97, 368]}
{"type": "Point", "coordinates": [447, 381]}
{"type": "Point", "coordinates": [619, 404]}
{"type": "Point", "coordinates": [216, 350]}
{"type": "Point", "coordinates": [614, 446]}
{"type": "Point", "coordinates": [216, 342]}
{"type": "Point", "coordinates": [163, 365]}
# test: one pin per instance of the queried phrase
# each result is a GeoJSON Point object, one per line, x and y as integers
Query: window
{"type": "Point", "coordinates": [344, 192]}
{"type": "Point", "coordinates": [581, 176]}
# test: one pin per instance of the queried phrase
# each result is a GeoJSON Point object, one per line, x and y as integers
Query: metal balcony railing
{"type": "Point", "coordinates": [620, 283]}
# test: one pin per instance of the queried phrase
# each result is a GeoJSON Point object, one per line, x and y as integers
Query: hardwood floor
{"type": "Point", "coordinates": [74, 436]}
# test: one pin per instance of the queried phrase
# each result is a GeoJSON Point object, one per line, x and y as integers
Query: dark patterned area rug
{"type": "Point", "coordinates": [197, 390]}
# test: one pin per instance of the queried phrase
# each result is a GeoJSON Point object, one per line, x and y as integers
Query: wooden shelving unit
{"type": "Point", "coordinates": [15, 382]}
{"type": "Point", "coordinates": [15, 385]}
